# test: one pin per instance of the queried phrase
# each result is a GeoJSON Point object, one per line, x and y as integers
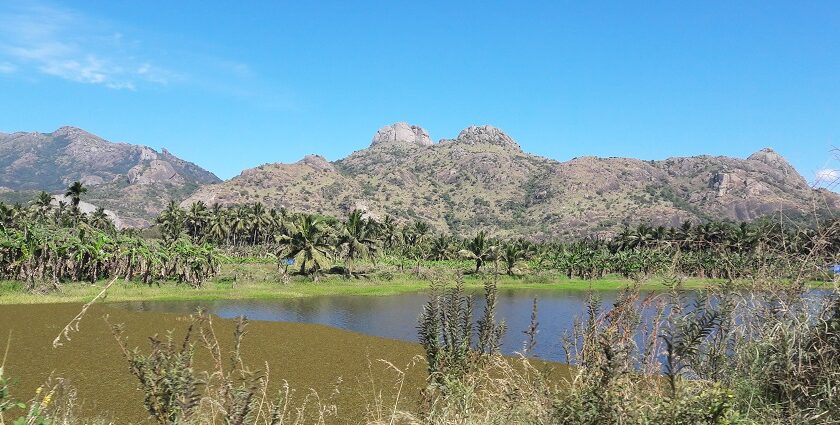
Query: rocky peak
{"type": "Point", "coordinates": [486, 134]}
{"type": "Point", "coordinates": [72, 133]}
{"type": "Point", "coordinates": [401, 133]}
{"type": "Point", "coordinates": [316, 161]}
{"type": "Point", "coordinates": [769, 157]}
{"type": "Point", "coordinates": [773, 159]}
{"type": "Point", "coordinates": [148, 154]}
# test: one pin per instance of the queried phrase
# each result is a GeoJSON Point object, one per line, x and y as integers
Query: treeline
{"type": "Point", "coordinates": [315, 243]}
{"type": "Point", "coordinates": [49, 242]}
{"type": "Point", "coordinates": [53, 241]}
{"type": "Point", "coordinates": [45, 209]}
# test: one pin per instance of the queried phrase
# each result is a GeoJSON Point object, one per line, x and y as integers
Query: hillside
{"type": "Point", "coordinates": [133, 181]}
{"type": "Point", "coordinates": [483, 179]}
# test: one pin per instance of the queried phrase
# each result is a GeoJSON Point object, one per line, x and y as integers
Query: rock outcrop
{"type": "Point", "coordinates": [401, 133]}
{"type": "Point", "coordinates": [317, 162]}
{"type": "Point", "coordinates": [773, 159]}
{"type": "Point", "coordinates": [486, 134]}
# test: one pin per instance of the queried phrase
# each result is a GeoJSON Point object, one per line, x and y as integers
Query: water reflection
{"type": "Point", "coordinates": [396, 316]}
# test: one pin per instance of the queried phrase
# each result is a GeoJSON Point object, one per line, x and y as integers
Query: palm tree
{"type": "Point", "coordinates": [260, 220]}
{"type": "Point", "coordinates": [356, 238]}
{"type": "Point", "coordinates": [75, 192]}
{"type": "Point", "coordinates": [60, 211]}
{"type": "Point", "coordinates": [217, 228]}
{"type": "Point", "coordinates": [100, 220]}
{"type": "Point", "coordinates": [276, 221]}
{"type": "Point", "coordinates": [511, 254]}
{"type": "Point", "coordinates": [479, 249]}
{"type": "Point", "coordinates": [238, 222]}
{"type": "Point", "coordinates": [8, 215]}
{"type": "Point", "coordinates": [171, 221]}
{"type": "Point", "coordinates": [307, 242]}
{"type": "Point", "coordinates": [420, 229]}
{"type": "Point", "coordinates": [441, 248]}
{"type": "Point", "coordinates": [42, 204]}
{"type": "Point", "coordinates": [414, 237]}
{"type": "Point", "coordinates": [389, 233]}
{"type": "Point", "coordinates": [196, 220]}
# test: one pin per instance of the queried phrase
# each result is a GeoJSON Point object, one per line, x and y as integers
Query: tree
{"type": "Point", "coordinates": [171, 221]}
{"type": "Point", "coordinates": [308, 242]}
{"type": "Point", "coordinates": [42, 204]}
{"type": "Point", "coordinates": [390, 235]}
{"type": "Point", "coordinates": [196, 220]}
{"type": "Point", "coordinates": [414, 237]}
{"type": "Point", "coordinates": [511, 254]}
{"type": "Point", "coordinates": [238, 222]}
{"type": "Point", "coordinates": [356, 238]}
{"type": "Point", "coordinates": [441, 248]}
{"type": "Point", "coordinates": [217, 228]}
{"type": "Point", "coordinates": [479, 249]}
{"type": "Point", "coordinates": [75, 192]}
{"type": "Point", "coordinates": [260, 220]}
{"type": "Point", "coordinates": [100, 220]}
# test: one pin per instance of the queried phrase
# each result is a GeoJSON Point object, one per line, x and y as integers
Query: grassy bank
{"type": "Point", "coordinates": [259, 281]}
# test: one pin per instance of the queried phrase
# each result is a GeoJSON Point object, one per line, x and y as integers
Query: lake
{"type": "Point", "coordinates": [310, 342]}
{"type": "Point", "coordinates": [395, 316]}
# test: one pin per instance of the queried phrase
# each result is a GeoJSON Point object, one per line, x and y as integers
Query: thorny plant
{"type": "Point", "coordinates": [446, 331]}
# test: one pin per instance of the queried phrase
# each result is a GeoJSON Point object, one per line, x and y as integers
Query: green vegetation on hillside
{"type": "Point", "coordinates": [47, 244]}
{"type": "Point", "coordinates": [757, 347]}
{"type": "Point", "coordinates": [317, 245]}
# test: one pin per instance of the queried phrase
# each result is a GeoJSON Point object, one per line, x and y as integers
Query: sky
{"type": "Point", "coordinates": [232, 85]}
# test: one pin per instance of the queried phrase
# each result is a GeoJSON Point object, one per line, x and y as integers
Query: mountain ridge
{"type": "Point", "coordinates": [479, 179]}
{"type": "Point", "coordinates": [482, 178]}
{"type": "Point", "coordinates": [129, 179]}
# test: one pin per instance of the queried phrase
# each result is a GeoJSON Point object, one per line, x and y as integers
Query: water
{"type": "Point", "coordinates": [396, 316]}
{"type": "Point", "coordinates": [304, 355]}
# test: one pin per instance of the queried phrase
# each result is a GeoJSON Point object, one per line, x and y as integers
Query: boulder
{"type": "Point", "coordinates": [401, 133]}
{"type": "Point", "coordinates": [317, 162]}
{"type": "Point", "coordinates": [486, 134]}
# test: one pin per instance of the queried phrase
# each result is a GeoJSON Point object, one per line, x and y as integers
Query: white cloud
{"type": "Point", "coordinates": [64, 44]}
{"type": "Point", "coordinates": [827, 175]}
{"type": "Point", "coordinates": [38, 40]}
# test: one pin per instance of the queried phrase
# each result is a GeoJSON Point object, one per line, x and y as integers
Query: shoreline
{"type": "Point", "coordinates": [221, 289]}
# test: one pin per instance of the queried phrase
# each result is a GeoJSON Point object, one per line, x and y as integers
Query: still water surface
{"type": "Point", "coordinates": [396, 316]}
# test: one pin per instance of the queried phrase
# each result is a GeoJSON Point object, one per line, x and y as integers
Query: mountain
{"type": "Point", "coordinates": [133, 181]}
{"type": "Point", "coordinates": [483, 180]}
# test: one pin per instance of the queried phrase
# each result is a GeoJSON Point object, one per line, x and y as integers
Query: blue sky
{"type": "Point", "coordinates": [231, 85]}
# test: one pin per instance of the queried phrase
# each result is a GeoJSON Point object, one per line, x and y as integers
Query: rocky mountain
{"type": "Point", "coordinates": [133, 181]}
{"type": "Point", "coordinates": [483, 180]}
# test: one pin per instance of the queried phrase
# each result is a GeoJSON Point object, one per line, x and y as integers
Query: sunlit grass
{"type": "Point", "coordinates": [261, 281]}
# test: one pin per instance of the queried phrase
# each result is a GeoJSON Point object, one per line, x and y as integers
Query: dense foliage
{"type": "Point", "coordinates": [50, 242]}
{"type": "Point", "coordinates": [713, 249]}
